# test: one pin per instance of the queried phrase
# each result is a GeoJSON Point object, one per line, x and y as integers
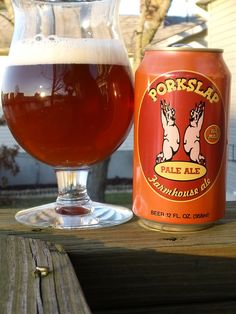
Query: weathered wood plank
{"type": "Point", "coordinates": [129, 267]}
{"type": "Point", "coordinates": [25, 290]}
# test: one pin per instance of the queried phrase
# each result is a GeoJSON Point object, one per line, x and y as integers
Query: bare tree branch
{"type": "Point", "coordinates": [10, 11]}
{"type": "Point", "coordinates": [6, 18]}
{"type": "Point", "coordinates": [138, 37]}
{"type": "Point", "coordinates": [153, 13]}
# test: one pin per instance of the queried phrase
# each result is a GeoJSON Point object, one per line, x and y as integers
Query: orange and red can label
{"type": "Point", "coordinates": [181, 138]}
{"type": "Point", "coordinates": [185, 118]}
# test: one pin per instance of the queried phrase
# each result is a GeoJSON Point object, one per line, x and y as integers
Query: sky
{"type": "Point", "coordinates": [178, 7]}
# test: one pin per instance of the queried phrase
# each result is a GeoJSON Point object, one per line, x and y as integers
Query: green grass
{"type": "Point", "coordinates": [25, 203]}
{"type": "Point", "coordinates": [124, 199]}
{"type": "Point", "coordinates": [119, 198]}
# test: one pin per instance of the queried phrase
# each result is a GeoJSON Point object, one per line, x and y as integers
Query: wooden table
{"type": "Point", "coordinates": [129, 269]}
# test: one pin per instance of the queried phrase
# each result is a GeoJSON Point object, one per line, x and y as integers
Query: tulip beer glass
{"type": "Point", "coordinates": [67, 96]}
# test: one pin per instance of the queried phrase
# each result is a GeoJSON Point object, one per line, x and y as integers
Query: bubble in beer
{"type": "Point", "coordinates": [52, 37]}
{"type": "Point", "coordinates": [39, 37]}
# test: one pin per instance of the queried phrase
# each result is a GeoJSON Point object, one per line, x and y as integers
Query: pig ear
{"type": "Point", "coordinates": [165, 104]}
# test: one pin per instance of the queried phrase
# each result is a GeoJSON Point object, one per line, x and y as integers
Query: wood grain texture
{"type": "Point", "coordinates": [24, 290]}
{"type": "Point", "coordinates": [129, 269]}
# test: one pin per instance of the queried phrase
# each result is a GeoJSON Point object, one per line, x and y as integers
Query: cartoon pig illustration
{"type": "Point", "coordinates": [171, 140]}
{"type": "Point", "coordinates": [192, 134]}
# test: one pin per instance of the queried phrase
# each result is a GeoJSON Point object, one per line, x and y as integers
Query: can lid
{"type": "Point", "coordinates": [183, 48]}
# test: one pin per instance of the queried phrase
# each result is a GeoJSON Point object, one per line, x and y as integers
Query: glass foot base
{"type": "Point", "coordinates": [102, 215]}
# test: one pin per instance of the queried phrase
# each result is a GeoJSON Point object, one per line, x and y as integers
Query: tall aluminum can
{"type": "Point", "coordinates": [180, 138]}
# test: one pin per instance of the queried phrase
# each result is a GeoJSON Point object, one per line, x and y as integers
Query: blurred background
{"type": "Point", "coordinates": [196, 23]}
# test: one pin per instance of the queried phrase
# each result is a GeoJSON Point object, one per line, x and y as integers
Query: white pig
{"type": "Point", "coordinates": [171, 138]}
{"type": "Point", "coordinates": [192, 134]}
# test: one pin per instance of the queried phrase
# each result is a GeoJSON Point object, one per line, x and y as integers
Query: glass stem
{"type": "Point", "coordinates": [72, 192]}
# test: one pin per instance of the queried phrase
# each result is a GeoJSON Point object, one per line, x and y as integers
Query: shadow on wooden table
{"type": "Point", "coordinates": [146, 281]}
{"type": "Point", "coordinates": [128, 269]}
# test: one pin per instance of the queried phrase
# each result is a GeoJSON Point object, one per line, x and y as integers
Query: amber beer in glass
{"type": "Point", "coordinates": [71, 117]}
{"type": "Point", "coordinates": [67, 96]}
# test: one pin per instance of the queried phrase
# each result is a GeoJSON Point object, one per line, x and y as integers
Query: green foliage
{"type": "Point", "coordinates": [7, 158]}
{"type": "Point", "coordinates": [2, 120]}
{"type": "Point", "coordinates": [8, 162]}
{"type": "Point", "coordinates": [124, 198]}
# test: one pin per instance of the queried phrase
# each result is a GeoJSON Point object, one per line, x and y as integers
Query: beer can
{"type": "Point", "coordinates": [180, 138]}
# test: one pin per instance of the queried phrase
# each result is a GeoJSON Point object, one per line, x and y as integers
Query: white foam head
{"type": "Point", "coordinates": [52, 49]}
